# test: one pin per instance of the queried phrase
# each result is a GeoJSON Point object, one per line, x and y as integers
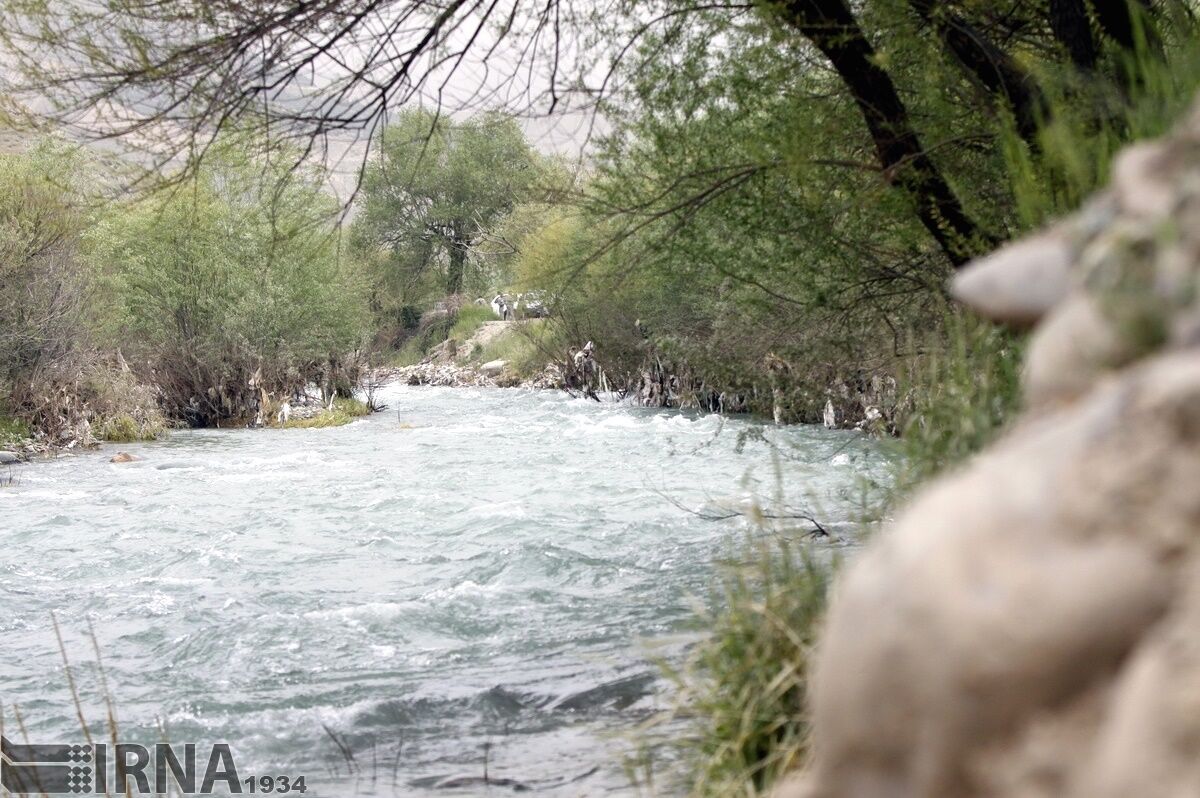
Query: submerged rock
{"type": "Point", "coordinates": [1030, 625]}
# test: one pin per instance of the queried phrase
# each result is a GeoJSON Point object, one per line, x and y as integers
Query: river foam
{"type": "Point", "coordinates": [470, 567]}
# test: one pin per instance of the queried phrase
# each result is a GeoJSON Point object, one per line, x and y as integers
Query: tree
{"type": "Point", "coordinates": [241, 274]}
{"type": "Point", "coordinates": [833, 29]}
{"type": "Point", "coordinates": [996, 70]}
{"type": "Point", "coordinates": [436, 188]}
{"type": "Point", "coordinates": [44, 280]}
{"type": "Point", "coordinates": [172, 76]}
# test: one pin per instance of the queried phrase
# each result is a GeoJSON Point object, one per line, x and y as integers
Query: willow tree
{"type": "Point", "coordinates": [435, 188]}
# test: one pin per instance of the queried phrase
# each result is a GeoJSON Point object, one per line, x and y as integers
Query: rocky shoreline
{"type": "Point", "coordinates": [494, 374]}
{"type": "Point", "coordinates": [37, 447]}
{"type": "Point", "coordinates": [853, 410]}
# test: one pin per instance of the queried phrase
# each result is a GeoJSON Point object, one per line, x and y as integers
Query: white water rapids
{"type": "Point", "coordinates": [468, 569]}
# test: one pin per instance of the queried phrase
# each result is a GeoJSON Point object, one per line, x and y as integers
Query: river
{"type": "Point", "coordinates": [469, 571]}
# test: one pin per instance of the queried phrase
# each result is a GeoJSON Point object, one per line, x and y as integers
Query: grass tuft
{"type": "Point", "coordinates": [744, 686]}
{"type": "Point", "coordinates": [524, 346]}
{"type": "Point", "coordinates": [471, 318]}
{"type": "Point", "coordinates": [963, 395]}
{"type": "Point", "coordinates": [344, 411]}
{"type": "Point", "coordinates": [126, 429]}
{"type": "Point", "coordinates": [409, 354]}
{"type": "Point", "coordinates": [13, 431]}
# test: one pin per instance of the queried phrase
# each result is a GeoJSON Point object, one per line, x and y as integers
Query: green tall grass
{"type": "Point", "coordinates": [13, 431]}
{"type": "Point", "coordinates": [744, 688]}
{"type": "Point", "coordinates": [962, 392]}
{"type": "Point", "coordinates": [526, 346]}
{"type": "Point", "coordinates": [125, 428]}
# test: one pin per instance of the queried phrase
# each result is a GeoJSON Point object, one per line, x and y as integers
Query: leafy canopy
{"type": "Point", "coordinates": [436, 188]}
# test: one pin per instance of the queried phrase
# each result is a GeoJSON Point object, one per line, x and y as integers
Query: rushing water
{"type": "Point", "coordinates": [469, 568]}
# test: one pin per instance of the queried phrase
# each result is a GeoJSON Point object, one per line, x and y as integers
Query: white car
{"type": "Point", "coordinates": [532, 305]}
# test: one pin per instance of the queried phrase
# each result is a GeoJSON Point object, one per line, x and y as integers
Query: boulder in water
{"type": "Point", "coordinates": [123, 457]}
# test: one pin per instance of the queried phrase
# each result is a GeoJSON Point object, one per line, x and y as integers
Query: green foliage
{"type": "Point", "coordinates": [1093, 120]}
{"type": "Point", "coordinates": [13, 431]}
{"type": "Point", "coordinates": [343, 412]}
{"type": "Point", "coordinates": [744, 687]}
{"type": "Point", "coordinates": [961, 397]}
{"type": "Point", "coordinates": [526, 346]}
{"type": "Point", "coordinates": [410, 353]}
{"type": "Point", "coordinates": [433, 192]}
{"type": "Point", "coordinates": [431, 331]}
{"type": "Point", "coordinates": [44, 283]}
{"type": "Point", "coordinates": [127, 429]}
{"type": "Point", "coordinates": [736, 210]}
{"type": "Point", "coordinates": [240, 271]}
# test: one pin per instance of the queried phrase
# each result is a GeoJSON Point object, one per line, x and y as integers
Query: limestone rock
{"type": "Point", "coordinates": [1074, 347]}
{"type": "Point", "coordinates": [493, 368]}
{"type": "Point", "coordinates": [1143, 180]}
{"type": "Point", "coordinates": [444, 374]}
{"type": "Point", "coordinates": [1017, 588]}
{"type": "Point", "coordinates": [1019, 283]}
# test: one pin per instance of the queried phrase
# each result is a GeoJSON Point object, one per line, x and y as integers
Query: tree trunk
{"type": "Point", "coordinates": [833, 30]}
{"type": "Point", "coordinates": [1129, 24]}
{"type": "Point", "coordinates": [1123, 20]}
{"type": "Point", "coordinates": [458, 262]}
{"type": "Point", "coordinates": [1071, 26]}
{"type": "Point", "coordinates": [990, 65]}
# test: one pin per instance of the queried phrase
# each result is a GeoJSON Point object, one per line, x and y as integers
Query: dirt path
{"type": "Point", "coordinates": [487, 332]}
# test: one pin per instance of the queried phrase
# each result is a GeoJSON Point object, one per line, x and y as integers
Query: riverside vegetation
{"type": "Point", "coordinates": [768, 225]}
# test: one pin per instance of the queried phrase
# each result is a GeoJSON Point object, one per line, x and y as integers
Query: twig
{"type": "Point", "coordinates": [820, 530]}
{"type": "Point", "coordinates": [347, 754]}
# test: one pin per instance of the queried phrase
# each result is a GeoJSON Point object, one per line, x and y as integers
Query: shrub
{"type": "Point", "coordinates": [526, 347]}
{"type": "Point", "coordinates": [409, 354]}
{"type": "Point", "coordinates": [126, 429]}
{"type": "Point", "coordinates": [239, 277]}
{"type": "Point", "coordinates": [44, 287]}
{"type": "Point", "coordinates": [120, 407]}
{"type": "Point", "coordinates": [13, 432]}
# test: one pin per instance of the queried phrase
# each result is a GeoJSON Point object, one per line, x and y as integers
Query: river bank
{"type": "Point", "coordinates": [301, 410]}
{"type": "Point", "coordinates": [869, 402]}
